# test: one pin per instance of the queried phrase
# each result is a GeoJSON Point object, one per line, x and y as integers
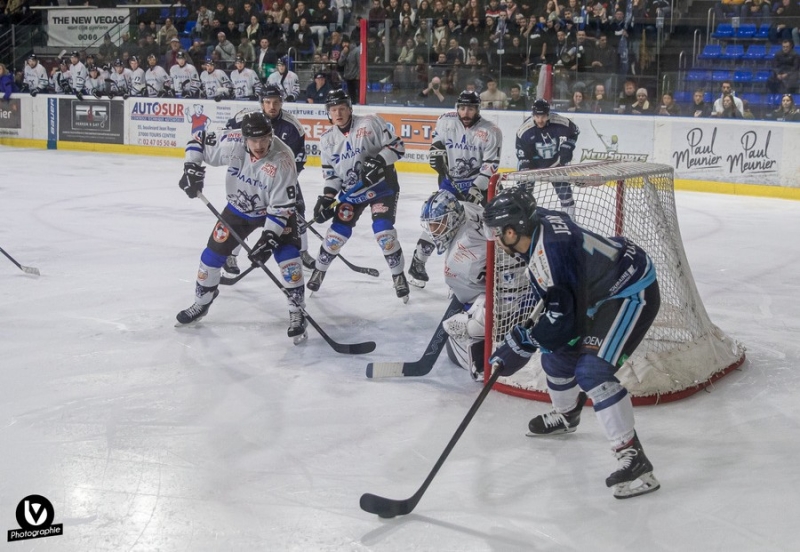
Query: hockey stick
{"type": "Point", "coordinates": [23, 268]}
{"type": "Point", "coordinates": [343, 348]}
{"type": "Point", "coordinates": [425, 364]}
{"type": "Point", "coordinates": [389, 508]}
{"type": "Point", "coordinates": [226, 281]}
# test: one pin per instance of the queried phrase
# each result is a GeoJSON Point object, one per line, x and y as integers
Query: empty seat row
{"type": "Point", "coordinates": [745, 31]}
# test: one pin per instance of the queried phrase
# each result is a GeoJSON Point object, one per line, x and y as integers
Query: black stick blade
{"type": "Point", "coordinates": [353, 348]}
{"type": "Point", "coordinates": [386, 507]}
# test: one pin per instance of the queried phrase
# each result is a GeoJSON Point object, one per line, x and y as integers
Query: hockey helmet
{"type": "Point", "coordinates": [442, 215]}
{"type": "Point", "coordinates": [118, 63]}
{"type": "Point", "coordinates": [180, 55]}
{"type": "Point", "coordinates": [133, 59]}
{"type": "Point", "coordinates": [272, 91]}
{"type": "Point", "coordinates": [92, 68]}
{"type": "Point", "coordinates": [75, 54]}
{"type": "Point", "coordinates": [515, 209]}
{"type": "Point", "coordinates": [64, 61]}
{"type": "Point", "coordinates": [337, 97]}
{"type": "Point", "coordinates": [283, 60]}
{"type": "Point", "coordinates": [469, 98]}
{"type": "Point", "coordinates": [541, 107]}
{"type": "Point", "coordinates": [256, 125]}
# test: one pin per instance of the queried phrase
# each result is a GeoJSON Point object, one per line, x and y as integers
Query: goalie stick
{"type": "Point", "coordinates": [23, 268]}
{"type": "Point", "coordinates": [343, 348]}
{"type": "Point", "coordinates": [425, 364]}
{"type": "Point", "coordinates": [389, 508]}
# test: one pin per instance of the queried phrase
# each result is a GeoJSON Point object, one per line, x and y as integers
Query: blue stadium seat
{"type": "Point", "coordinates": [742, 77]}
{"type": "Point", "coordinates": [774, 100]}
{"type": "Point", "coordinates": [698, 77]}
{"type": "Point", "coordinates": [708, 97]}
{"type": "Point", "coordinates": [763, 32]}
{"type": "Point", "coordinates": [189, 27]}
{"type": "Point", "coordinates": [683, 96]}
{"type": "Point", "coordinates": [755, 100]}
{"type": "Point", "coordinates": [774, 49]}
{"type": "Point", "coordinates": [732, 52]}
{"type": "Point", "coordinates": [796, 98]}
{"type": "Point", "coordinates": [724, 31]}
{"type": "Point", "coordinates": [186, 42]}
{"type": "Point", "coordinates": [711, 52]}
{"type": "Point", "coordinates": [760, 77]}
{"type": "Point", "coordinates": [746, 31]}
{"type": "Point", "coordinates": [719, 76]}
{"type": "Point", "coordinates": [181, 13]}
{"type": "Point", "coordinates": [755, 52]}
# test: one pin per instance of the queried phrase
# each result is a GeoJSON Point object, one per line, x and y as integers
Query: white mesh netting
{"type": "Point", "coordinates": [683, 351]}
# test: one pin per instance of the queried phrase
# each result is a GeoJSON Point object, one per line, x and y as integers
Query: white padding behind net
{"type": "Point", "coordinates": [683, 349]}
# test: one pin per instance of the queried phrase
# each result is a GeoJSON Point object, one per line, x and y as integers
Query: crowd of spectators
{"type": "Point", "coordinates": [436, 48]}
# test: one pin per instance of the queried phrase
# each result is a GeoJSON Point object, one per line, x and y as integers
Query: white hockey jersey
{"type": "Point", "coordinates": [465, 257]}
{"type": "Point", "coordinates": [94, 84]}
{"type": "Point", "coordinates": [185, 80]}
{"type": "Point", "coordinates": [473, 154]}
{"type": "Point", "coordinates": [60, 81]}
{"type": "Point", "coordinates": [216, 83]}
{"type": "Point", "coordinates": [156, 79]}
{"type": "Point", "coordinates": [342, 154]}
{"type": "Point", "coordinates": [121, 82]}
{"type": "Point", "coordinates": [138, 83]}
{"type": "Point", "coordinates": [254, 187]}
{"type": "Point", "coordinates": [36, 77]}
{"type": "Point", "coordinates": [289, 83]}
{"type": "Point", "coordinates": [79, 74]}
{"type": "Point", "coordinates": [244, 83]}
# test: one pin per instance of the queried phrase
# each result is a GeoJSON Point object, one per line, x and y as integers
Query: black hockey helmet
{"type": "Point", "coordinates": [75, 54]}
{"type": "Point", "coordinates": [92, 68]}
{"type": "Point", "coordinates": [132, 59]}
{"type": "Point", "coordinates": [256, 124]}
{"type": "Point", "coordinates": [64, 61]}
{"type": "Point", "coordinates": [541, 107]}
{"type": "Point", "coordinates": [515, 209]}
{"type": "Point", "coordinates": [118, 63]}
{"type": "Point", "coordinates": [272, 91]}
{"type": "Point", "coordinates": [472, 99]}
{"type": "Point", "coordinates": [337, 97]}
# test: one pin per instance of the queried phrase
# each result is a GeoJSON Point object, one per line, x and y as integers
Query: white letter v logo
{"type": "Point", "coordinates": [35, 507]}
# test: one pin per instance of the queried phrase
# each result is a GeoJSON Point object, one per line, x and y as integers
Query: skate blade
{"type": "Point", "coordinates": [551, 434]}
{"type": "Point", "coordinates": [647, 484]}
{"type": "Point", "coordinates": [404, 299]}
{"type": "Point", "coordinates": [416, 283]}
{"type": "Point", "coordinates": [298, 339]}
{"type": "Point", "coordinates": [188, 324]}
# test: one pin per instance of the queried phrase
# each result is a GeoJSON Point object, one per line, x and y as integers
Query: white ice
{"type": "Point", "coordinates": [225, 436]}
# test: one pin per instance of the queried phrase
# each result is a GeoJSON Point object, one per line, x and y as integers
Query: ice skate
{"type": "Point", "coordinates": [401, 286]}
{"type": "Point", "coordinates": [232, 266]}
{"type": "Point", "coordinates": [557, 423]}
{"type": "Point", "coordinates": [315, 281]}
{"type": "Point", "coordinates": [634, 468]}
{"type": "Point", "coordinates": [297, 327]}
{"type": "Point", "coordinates": [194, 313]}
{"type": "Point", "coordinates": [417, 275]}
{"type": "Point", "coordinates": [308, 260]}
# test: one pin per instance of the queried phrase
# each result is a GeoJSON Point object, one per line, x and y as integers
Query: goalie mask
{"type": "Point", "coordinates": [442, 216]}
{"type": "Point", "coordinates": [515, 209]}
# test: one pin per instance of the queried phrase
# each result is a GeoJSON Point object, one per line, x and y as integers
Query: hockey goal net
{"type": "Point", "coordinates": [683, 351]}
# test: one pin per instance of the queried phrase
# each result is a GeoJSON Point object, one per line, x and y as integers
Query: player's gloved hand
{"type": "Point", "coordinates": [475, 195]}
{"type": "Point", "coordinates": [263, 248]}
{"type": "Point", "coordinates": [34, 92]}
{"type": "Point", "coordinates": [323, 210]}
{"type": "Point", "coordinates": [79, 96]}
{"type": "Point", "coordinates": [373, 170]}
{"type": "Point", "coordinates": [438, 161]}
{"type": "Point", "coordinates": [97, 94]}
{"type": "Point", "coordinates": [556, 327]}
{"type": "Point", "coordinates": [193, 179]}
{"type": "Point", "coordinates": [516, 350]}
{"type": "Point", "coordinates": [290, 98]}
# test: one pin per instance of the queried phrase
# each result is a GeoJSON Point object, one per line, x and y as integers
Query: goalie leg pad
{"type": "Point", "coordinates": [456, 326]}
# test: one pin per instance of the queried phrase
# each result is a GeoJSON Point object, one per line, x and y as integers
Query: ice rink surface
{"type": "Point", "coordinates": [226, 437]}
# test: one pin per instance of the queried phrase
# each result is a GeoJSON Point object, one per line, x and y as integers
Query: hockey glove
{"type": "Point", "coordinates": [263, 248]}
{"type": "Point", "coordinates": [33, 92]}
{"type": "Point", "coordinates": [323, 210]}
{"type": "Point", "coordinates": [290, 98]}
{"type": "Point", "coordinates": [373, 170]}
{"type": "Point", "coordinates": [556, 327]}
{"type": "Point", "coordinates": [475, 195]}
{"type": "Point", "coordinates": [79, 96]}
{"type": "Point", "coordinates": [97, 94]}
{"type": "Point", "coordinates": [515, 352]}
{"type": "Point", "coordinates": [193, 178]}
{"type": "Point", "coordinates": [437, 158]}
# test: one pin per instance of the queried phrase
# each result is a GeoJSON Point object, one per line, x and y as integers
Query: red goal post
{"type": "Point", "coordinates": [683, 351]}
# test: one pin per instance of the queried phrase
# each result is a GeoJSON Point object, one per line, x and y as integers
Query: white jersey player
{"type": "Point", "coordinates": [215, 82]}
{"type": "Point", "coordinates": [286, 80]}
{"type": "Point", "coordinates": [260, 187]}
{"type": "Point", "coordinates": [245, 81]}
{"type": "Point", "coordinates": [358, 154]}
{"type": "Point", "coordinates": [138, 83]}
{"type": "Point", "coordinates": [465, 152]}
{"type": "Point", "coordinates": [35, 76]}
{"type": "Point", "coordinates": [185, 80]}
{"type": "Point", "coordinates": [121, 80]}
{"type": "Point", "coordinates": [456, 230]}
{"type": "Point", "coordinates": [94, 85]}
{"type": "Point", "coordinates": [78, 73]}
{"type": "Point", "coordinates": [156, 78]}
{"type": "Point", "coordinates": [61, 79]}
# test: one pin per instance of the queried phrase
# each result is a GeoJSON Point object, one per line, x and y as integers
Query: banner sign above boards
{"type": "Point", "coordinates": [83, 28]}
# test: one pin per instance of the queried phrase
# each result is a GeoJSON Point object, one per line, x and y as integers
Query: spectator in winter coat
{"type": "Point", "coordinates": [6, 83]}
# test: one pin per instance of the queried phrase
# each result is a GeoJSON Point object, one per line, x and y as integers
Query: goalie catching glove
{"type": "Point", "coordinates": [193, 178]}
{"type": "Point", "coordinates": [263, 248]}
{"type": "Point", "coordinates": [323, 210]}
{"type": "Point", "coordinates": [373, 170]}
